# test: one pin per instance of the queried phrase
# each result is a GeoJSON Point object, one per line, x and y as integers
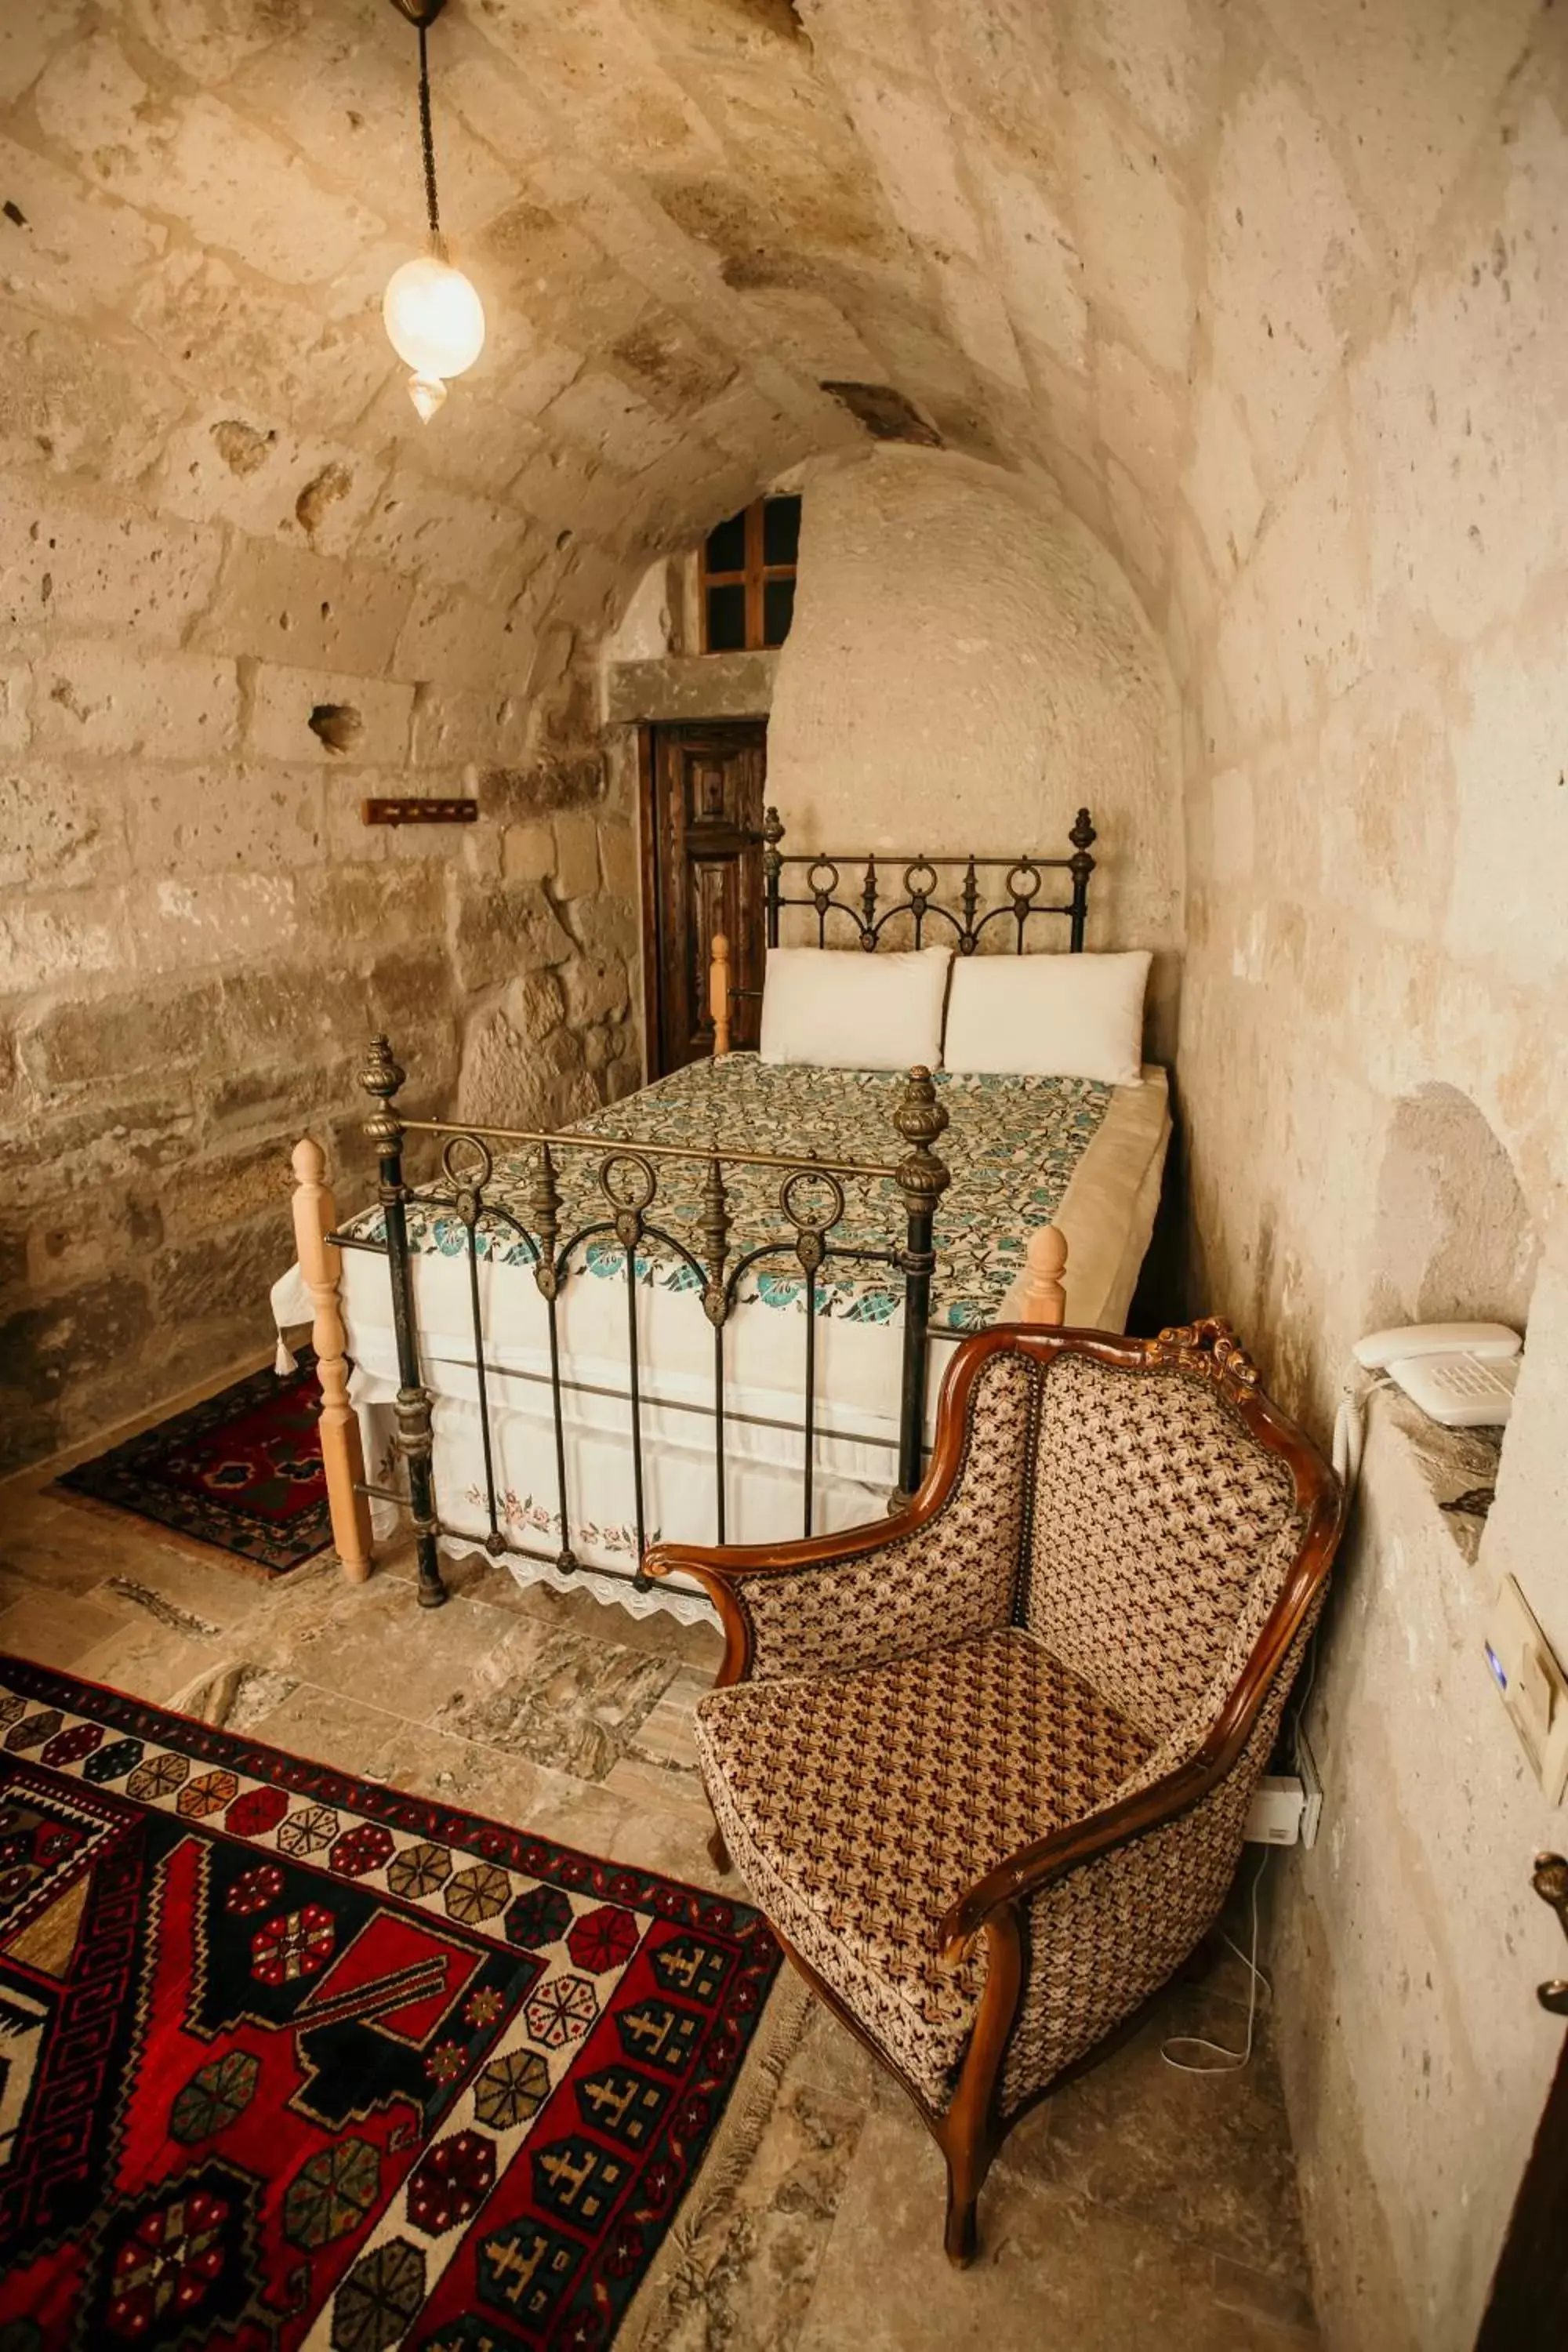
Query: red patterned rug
{"type": "Point", "coordinates": [241, 1471]}
{"type": "Point", "coordinates": [284, 2055]}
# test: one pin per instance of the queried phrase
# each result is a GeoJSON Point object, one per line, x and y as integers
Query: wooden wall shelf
{"type": "Point", "coordinates": [419, 812]}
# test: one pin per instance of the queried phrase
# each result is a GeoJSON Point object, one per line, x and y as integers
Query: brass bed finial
{"type": "Point", "coordinates": [920, 1119]}
{"type": "Point", "coordinates": [381, 1074]}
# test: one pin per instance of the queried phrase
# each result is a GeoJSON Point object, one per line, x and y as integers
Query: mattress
{"type": "Point", "coordinates": [1021, 1152]}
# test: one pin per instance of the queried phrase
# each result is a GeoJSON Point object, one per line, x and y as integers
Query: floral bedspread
{"type": "Point", "coordinates": [1012, 1145]}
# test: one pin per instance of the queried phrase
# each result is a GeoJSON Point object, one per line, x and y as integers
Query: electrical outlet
{"type": "Point", "coordinates": [1531, 1684]}
{"type": "Point", "coordinates": [1312, 1788]}
{"type": "Point", "coordinates": [1274, 1816]}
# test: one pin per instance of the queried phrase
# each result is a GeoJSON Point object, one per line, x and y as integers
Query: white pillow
{"type": "Point", "coordinates": [839, 1008]}
{"type": "Point", "coordinates": [1048, 1016]}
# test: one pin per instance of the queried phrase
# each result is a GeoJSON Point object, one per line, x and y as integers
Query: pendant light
{"type": "Point", "coordinates": [434, 318]}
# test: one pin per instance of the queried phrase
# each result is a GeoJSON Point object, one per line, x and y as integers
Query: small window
{"type": "Point", "coordinates": [748, 578]}
{"type": "Point", "coordinates": [781, 532]}
{"type": "Point", "coordinates": [778, 610]}
{"type": "Point", "coordinates": [727, 618]}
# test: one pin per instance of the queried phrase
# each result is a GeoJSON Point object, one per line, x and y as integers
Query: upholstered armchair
{"type": "Point", "coordinates": [986, 1764]}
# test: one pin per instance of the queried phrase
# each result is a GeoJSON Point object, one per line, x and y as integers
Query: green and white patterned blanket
{"type": "Point", "coordinates": [1012, 1145]}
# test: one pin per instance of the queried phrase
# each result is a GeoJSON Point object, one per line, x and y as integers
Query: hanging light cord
{"type": "Point", "coordinates": [426, 140]}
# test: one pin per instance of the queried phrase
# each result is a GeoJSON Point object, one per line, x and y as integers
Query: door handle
{"type": "Point", "coordinates": [1550, 1879]}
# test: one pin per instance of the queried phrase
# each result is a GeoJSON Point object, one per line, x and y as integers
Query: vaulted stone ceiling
{"type": "Point", "coordinates": [1126, 242]}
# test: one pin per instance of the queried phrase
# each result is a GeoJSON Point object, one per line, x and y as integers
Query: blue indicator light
{"type": "Point", "coordinates": [1495, 1663]}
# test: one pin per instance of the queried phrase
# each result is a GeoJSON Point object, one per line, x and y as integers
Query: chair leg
{"type": "Point", "coordinates": [966, 2169]}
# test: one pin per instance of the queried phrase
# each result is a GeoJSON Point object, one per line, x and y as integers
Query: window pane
{"type": "Point", "coordinates": [781, 531]}
{"type": "Point", "coordinates": [727, 620]}
{"type": "Point", "coordinates": [727, 546]}
{"type": "Point", "coordinates": [778, 610]}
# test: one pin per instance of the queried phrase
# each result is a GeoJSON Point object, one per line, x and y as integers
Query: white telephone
{"type": "Point", "coordinates": [1463, 1374]}
{"type": "Point", "coordinates": [1460, 1374]}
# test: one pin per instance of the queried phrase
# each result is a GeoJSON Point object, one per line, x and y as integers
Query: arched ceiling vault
{"type": "Point", "coordinates": [1122, 243]}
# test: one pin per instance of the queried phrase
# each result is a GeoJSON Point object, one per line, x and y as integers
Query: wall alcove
{"type": "Point", "coordinates": [1453, 1241]}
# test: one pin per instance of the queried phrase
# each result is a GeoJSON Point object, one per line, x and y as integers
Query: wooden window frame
{"type": "Point", "coordinates": [753, 578]}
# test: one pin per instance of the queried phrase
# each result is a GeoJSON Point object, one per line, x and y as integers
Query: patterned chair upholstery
{"type": "Point", "coordinates": [986, 1764]}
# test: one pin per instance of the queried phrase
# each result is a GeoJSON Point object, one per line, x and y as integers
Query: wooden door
{"type": "Point", "coordinates": [703, 818]}
{"type": "Point", "coordinates": [1527, 2310]}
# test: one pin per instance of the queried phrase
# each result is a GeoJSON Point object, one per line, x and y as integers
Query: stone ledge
{"type": "Point", "coordinates": [691, 686]}
{"type": "Point", "coordinates": [1449, 1462]}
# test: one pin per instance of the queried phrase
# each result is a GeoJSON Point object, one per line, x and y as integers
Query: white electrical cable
{"type": "Point", "coordinates": [1220, 2060]}
{"type": "Point", "coordinates": [1347, 1440]}
{"type": "Point", "coordinates": [1298, 1713]}
{"type": "Point", "coordinates": [1350, 1428]}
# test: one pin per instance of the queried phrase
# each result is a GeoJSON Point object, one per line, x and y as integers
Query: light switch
{"type": "Point", "coordinates": [1531, 1684]}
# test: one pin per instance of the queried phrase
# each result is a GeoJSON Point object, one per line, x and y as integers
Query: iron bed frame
{"type": "Point", "coordinates": [1024, 880]}
{"type": "Point", "coordinates": [812, 1202]}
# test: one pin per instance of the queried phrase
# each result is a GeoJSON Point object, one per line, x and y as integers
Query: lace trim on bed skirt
{"type": "Point", "coordinates": [686, 1608]}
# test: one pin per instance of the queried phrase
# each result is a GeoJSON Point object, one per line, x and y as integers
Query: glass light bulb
{"type": "Point", "coordinates": [434, 318]}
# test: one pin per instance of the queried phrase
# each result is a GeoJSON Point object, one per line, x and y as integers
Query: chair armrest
{"type": "Point", "coordinates": [859, 1567]}
{"type": "Point", "coordinates": [1214, 1754]}
{"type": "Point", "coordinates": [736, 1564]}
{"type": "Point", "coordinates": [726, 1571]}
{"type": "Point", "coordinates": [937, 1570]}
{"type": "Point", "coordinates": [1035, 1866]}
{"type": "Point", "coordinates": [1111, 1915]}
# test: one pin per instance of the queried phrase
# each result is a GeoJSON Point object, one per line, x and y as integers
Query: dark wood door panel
{"type": "Point", "coordinates": [702, 825]}
{"type": "Point", "coordinates": [1527, 2310]}
{"type": "Point", "coordinates": [716, 793]}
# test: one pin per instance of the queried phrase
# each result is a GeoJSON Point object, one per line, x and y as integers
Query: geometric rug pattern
{"type": "Point", "coordinates": [241, 1471]}
{"type": "Point", "coordinates": [286, 2057]}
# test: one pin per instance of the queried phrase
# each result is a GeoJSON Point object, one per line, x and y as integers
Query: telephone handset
{"type": "Point", "coordinates": [1493, 1342]}
{"type": "Point", "coordinates": [1461, 1374]}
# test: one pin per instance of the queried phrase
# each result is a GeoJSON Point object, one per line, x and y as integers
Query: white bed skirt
{"type": "Point", "coordinates": [855, 1467]}
{"type": "Point", "coordinates": [1106, 1215]}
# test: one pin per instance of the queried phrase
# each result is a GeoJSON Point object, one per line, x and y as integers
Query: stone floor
{"type": "Point", "coordinates": [1140, 2205]}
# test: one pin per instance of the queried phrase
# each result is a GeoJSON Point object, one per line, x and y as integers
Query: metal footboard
{"type": "Point", "coordinates": [631, 1211]}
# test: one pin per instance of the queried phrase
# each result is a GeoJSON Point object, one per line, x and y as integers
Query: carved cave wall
{"type": "Point", "coordinates": [1267, 297]}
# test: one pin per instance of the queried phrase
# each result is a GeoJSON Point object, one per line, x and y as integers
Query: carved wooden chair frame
{"type": "Point", "coordinates": [970, 2130]}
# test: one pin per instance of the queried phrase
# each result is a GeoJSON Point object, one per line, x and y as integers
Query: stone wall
{"type": "Point", "coordinates": [198, 931]}
{"type": "Point", "coordinates": [1368, 631]}
{"type": "Point", "coordinates": [202, 680]}
{"type": "Point", "coordinates": [219, 522]}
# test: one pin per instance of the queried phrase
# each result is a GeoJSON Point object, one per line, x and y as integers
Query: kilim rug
{"type": "Point", "coordinates": [288, 2057]}
{"type": "Point", "coordinates": [242, 1471]}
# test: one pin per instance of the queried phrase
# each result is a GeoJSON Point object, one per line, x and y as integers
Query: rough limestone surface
{"type": "Point", "coordinates": [966, 668]}
{"type": "Point", "coordinates": [1267, 295]}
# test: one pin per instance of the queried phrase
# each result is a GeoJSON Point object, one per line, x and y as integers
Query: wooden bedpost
{"type": "Point", "coordinates": [1039, 1294]}
{"type": "Point", "coordinates": [343, 1452]}
{"type": "Point", "coordinates": [719, 994]}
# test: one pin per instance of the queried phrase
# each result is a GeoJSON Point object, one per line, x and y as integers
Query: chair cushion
{"type": "Point", "coordinates": [860, 1806]}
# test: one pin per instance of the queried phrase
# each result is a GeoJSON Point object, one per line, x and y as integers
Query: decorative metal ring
{"type": "Point", "coordinates": [476, 1175]}
{"type": "Point", "coordinates": [637, 1202]}
{"type": "Point", "coordinates": [822, 865]}
{"type": "Point", "coordinates": [920, 889]}
{"type": "Point", "coordinates": [801, 1221]}
{"type": "Point", "coordinates": [1014, 888]}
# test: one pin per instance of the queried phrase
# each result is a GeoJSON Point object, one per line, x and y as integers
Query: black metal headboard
{"type": "Point", "coordinates": [920, 880]}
